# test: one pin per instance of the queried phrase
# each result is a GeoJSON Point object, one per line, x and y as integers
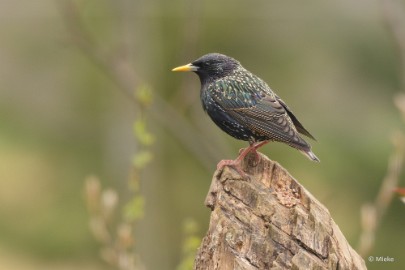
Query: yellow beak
{"type": "Point", "coordinates": [188, 67]}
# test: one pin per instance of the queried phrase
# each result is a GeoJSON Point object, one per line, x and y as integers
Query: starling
{"type": "Point", "coordinates": [245, 107]}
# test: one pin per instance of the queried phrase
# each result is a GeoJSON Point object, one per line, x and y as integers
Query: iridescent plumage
{"type": "Point", "coordinates": [244, 106]}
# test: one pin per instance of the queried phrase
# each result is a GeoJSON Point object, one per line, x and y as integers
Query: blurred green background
{"type": "Point", "coordinates": [63, 118]}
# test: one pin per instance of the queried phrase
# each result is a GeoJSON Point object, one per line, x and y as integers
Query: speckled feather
{"type": "Point", "coordinates": [244, 106]}
{"type": "Point", "coordinates": [254, 112]}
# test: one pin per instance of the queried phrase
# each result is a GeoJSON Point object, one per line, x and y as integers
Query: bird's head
{"type": "Point", "coordinates": [211, 66]}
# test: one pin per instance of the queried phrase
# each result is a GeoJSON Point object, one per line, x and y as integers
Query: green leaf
{"type": "Point", "coordinates": [142, 158]}
{"type": "Point", "coordinates": [144, 94]}
{"type": "Point", "coordinates": [134, 208]}
{"type": "Point", "coordinates": [141, 133]}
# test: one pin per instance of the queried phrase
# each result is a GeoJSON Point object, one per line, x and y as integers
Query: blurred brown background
{"type": "Point", "coordinates": [62, 118]}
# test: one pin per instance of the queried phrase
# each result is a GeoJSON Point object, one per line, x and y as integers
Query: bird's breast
{"type": "Point", "coordinates": [221, 117]}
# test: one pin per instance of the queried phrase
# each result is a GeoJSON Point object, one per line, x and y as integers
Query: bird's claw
{"type": "Point", "coordinates": [235, 164]}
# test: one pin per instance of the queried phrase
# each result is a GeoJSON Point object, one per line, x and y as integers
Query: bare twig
{"type": "Point", "coordinates": [393, 15]}
{"type": "Point", "coordinates": [118, 247]}
{"type": "Point", "coordinates": [189, 47]}
{"type": "Point", "coordinates": [123, 74]}
{"type": "Point", "coordinates": [373, 213]}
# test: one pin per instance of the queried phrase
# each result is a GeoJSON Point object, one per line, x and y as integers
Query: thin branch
{"type": "Point", "coordinates": [190, 42]}
{"type": "Point", "coordinates": [122, 73]}
{"type": "Point", "coordinates": [390, 182]}
{"type": "Point", "coordinates": [393, 15]}
{"type": "Point", "coordinates": [373, 213]}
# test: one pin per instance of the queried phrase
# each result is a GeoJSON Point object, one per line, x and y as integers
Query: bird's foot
{"type": "Point", "coordinates": [253, 159]}
{"type": "Point", "coordinates": [235, 164]}
{"type": "Point", "coordinates": [252, 151]}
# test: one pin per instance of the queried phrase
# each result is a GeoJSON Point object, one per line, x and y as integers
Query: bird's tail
{"type": "Point", "coordinates": [309, 154]}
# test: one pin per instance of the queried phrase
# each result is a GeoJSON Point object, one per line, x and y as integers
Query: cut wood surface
{"type": "Point", "coordinates": [268, 220]}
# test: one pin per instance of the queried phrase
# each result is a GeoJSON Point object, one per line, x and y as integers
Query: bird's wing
{"type": "Point", "coordinates": [300, 128]}
{"type": "Point", "coordinates": [255, 106]}
{"type": "Point", "coordinates": [268, 118]}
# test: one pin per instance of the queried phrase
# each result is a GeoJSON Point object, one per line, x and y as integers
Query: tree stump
{"type": "Point", "coordinates": [269, 221]}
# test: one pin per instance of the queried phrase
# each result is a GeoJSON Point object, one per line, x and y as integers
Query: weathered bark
{"type": "Point", "coordinates": [269, 221]}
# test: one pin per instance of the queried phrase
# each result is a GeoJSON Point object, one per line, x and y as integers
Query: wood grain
{"type": "Point", "coordinates": [267, 220]}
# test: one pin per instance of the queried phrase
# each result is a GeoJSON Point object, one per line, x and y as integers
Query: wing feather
{"type": "Point", "coordinates": [300, 128]}
{"type": "Point", "coordinates": [269, 119]}
{"type": "Point", "coordinates": [252, 103]}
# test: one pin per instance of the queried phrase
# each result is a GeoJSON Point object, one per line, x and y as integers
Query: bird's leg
{"type": "Point", "coordinates": [236, 164]}
{"type": "Point", "coordinates": [256, 145]}
{"type": "Point", "coordinates": [259, 144]}
{"type": "Point", "coordinates": [244, 152]}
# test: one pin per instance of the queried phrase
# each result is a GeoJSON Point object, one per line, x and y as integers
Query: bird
{"type": "Point", "coordinates": [245, 107]}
